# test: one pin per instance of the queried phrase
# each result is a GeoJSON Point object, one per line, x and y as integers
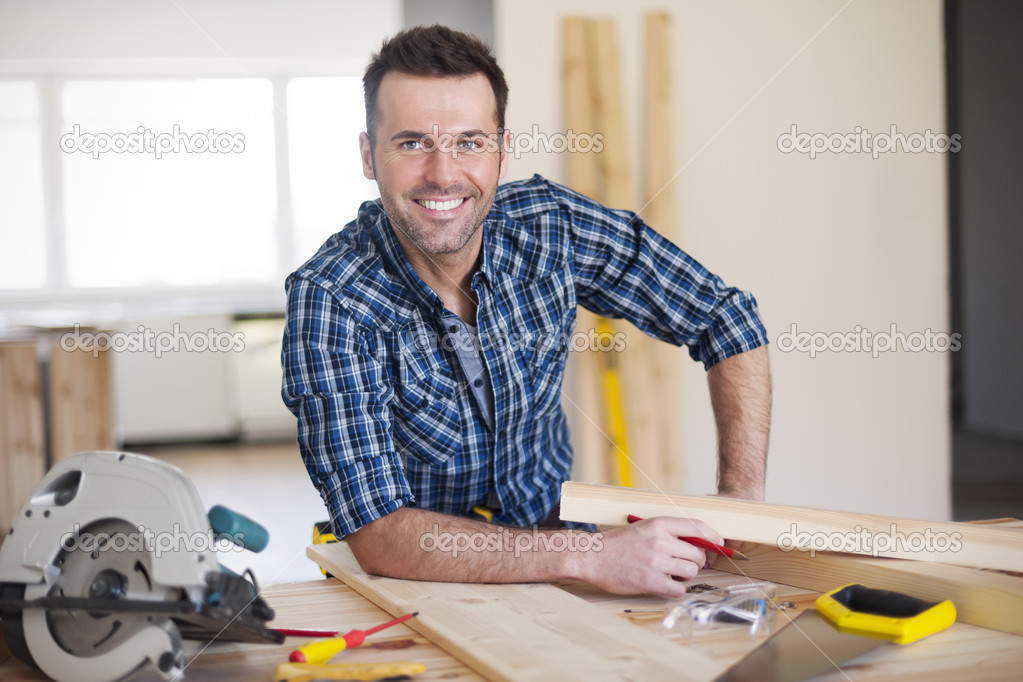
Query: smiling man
{"type": "Point", "coordinates": [426, 342]}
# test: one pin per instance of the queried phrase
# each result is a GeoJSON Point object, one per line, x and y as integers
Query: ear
{"type": "Point", "coordinates": [367, 156]}
{"type": "Point", "coordinates": [506, 152]}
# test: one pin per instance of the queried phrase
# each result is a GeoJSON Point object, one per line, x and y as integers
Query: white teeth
{"type": "Point", "coordinates": [441, 205]}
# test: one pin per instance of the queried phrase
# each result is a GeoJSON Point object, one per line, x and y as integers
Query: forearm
{"type": "Point", "coordinates": [740, 394]}
{"type": "Point", "coordinates": [417, 544]}
{"type": "Point", "coordinates": [636, 559]}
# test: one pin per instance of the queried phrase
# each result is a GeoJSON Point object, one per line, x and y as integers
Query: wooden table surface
{"type": "Point", "coordinates": [963, 652]}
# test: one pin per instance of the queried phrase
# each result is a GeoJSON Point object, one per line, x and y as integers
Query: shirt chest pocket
{"type": "Point", "coordinates": [543, 312]}
{"type": "Point", "coordinates": [426, 418]}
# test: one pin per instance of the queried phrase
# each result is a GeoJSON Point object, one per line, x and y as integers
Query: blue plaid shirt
{"type": "Point", "coordinates": [386, 418]}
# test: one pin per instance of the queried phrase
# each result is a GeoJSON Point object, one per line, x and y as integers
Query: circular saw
{"type": "Point", "coordinates": [112, 562]}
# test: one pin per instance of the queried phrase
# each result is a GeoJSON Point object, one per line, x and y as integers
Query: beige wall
{"type": "Point", "coordinates": [827, 244]}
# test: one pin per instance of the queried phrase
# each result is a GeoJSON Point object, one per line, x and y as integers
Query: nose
{"type": "Point", "coordinates": [441, 167]}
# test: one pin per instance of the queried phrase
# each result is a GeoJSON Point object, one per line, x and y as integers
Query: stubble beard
{"type": "Point", "coordinates": [430, 239]}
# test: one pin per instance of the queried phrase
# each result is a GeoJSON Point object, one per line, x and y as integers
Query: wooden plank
{"type": "Point", "coordinates": [985, 598]}
{"type": "Point", "coordinates": [583, 170]}
{"type": "Point", "coordinates": [631, 365]}
{"type": "Point", "coordinates": [593, 104]}
{"type": "Point", "coordinates": [658, 127]}
{"type": "Point", "coordinates": [801, 528]}
{"type": "Point", "coordinates": [660, 452]}
{"type": "Point", "coordinates": [80, 401]}
{"type": "Point", "coordinates": [617, 191]}
{"type": "Point", "coordinates": [583, 175]}
{"type": "Point", "coordinates": [521, 632]}
{"type": "Point", "coordinates": [22, 447]}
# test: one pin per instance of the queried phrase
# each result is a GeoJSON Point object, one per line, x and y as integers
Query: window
{"type": "Point", "coordinates": [197, 208]}
{"type": "Point", "coordinates": [22, 226]}
{"type": "Point", "coordinates": [327, 184]}
{"type": "Point", "coordinates": [171, 184]}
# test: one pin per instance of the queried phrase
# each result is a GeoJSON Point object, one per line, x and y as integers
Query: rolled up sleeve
{"type": "Point", "coordinates": [340, 394]}
{"type": "Point", "coordinates": [625, 269]}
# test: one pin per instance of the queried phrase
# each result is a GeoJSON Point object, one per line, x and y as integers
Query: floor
{"type": "Point", "coordinates": [266, 482]}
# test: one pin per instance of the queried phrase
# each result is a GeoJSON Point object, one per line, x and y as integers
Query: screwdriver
{"type": "Point", "coordinates": [323, 650]}
{"type": "Point", "coordinates": [704, 544]}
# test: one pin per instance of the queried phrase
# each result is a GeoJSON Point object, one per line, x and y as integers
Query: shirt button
{"type": "Point", "coordinates": [478, 383]}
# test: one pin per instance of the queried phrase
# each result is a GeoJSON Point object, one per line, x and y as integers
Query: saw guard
{"type": "Point", "coordinates": [92, 486]}
{"type": "Point", "coordinates": [159, 644]}
{"type": "Point", "coordinates": [97, 490]}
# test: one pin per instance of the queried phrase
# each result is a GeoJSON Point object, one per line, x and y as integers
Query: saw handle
{"type": "Point", "coordinates": [238, 528]}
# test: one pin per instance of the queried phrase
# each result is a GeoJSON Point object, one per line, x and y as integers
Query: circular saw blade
{"type": "Point", "coordinates": [109, 562]}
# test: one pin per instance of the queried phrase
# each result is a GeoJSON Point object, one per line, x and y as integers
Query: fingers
{"type": "Point", "coordinates": [687, 554]}
{"type": "Point", "coordinates": [672, 559]}
{"type": "Point", "coordinates": [648, 557]}
{"type": "Point", "coordinates": [683, 560]}
{"type": "Point", "coordinates": [669, 587]}
{"type": "Point", "coordinates": [672, 583]}
{"type": "Point", "coordinates": [682, 527]}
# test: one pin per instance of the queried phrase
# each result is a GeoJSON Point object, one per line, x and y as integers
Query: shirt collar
{"type": "Point", "coordinates": [490, 230]}
{"type": "Point", "coordinates": [394, 258]}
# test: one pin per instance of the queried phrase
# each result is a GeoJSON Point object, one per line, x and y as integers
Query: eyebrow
{"type": "Point", "coordinates": [415, 135]}
{"type": "Point", "coordinates": [408, 135]}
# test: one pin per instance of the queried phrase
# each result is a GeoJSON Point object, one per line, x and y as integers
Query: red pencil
{"type": "Point", "coordinates": [303, 632]}
{"type": "Point", "coordinates": [704, 544]}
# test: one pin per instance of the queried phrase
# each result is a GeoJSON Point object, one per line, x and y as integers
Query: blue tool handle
{"type": "Point", "coordinates": [239, 529]}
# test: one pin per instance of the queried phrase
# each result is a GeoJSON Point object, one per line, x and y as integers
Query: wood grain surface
{"type": "Point", "coordinates": [801, 528]}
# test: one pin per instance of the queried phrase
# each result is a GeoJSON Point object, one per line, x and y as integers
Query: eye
{"type": "Point", "coordinates": [409, 145]}
{"type": "Point", "coordinates": [470, 144]}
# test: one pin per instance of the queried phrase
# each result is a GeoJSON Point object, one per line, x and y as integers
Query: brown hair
{"type": "Point", "coordinates": [432, 51]}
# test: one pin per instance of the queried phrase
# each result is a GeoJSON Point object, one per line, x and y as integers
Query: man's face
{"type": "Point", "coordinates": [435, 159]}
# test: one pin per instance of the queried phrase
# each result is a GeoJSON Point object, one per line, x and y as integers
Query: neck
{"type": "Point", "coordinates": [450, 275]}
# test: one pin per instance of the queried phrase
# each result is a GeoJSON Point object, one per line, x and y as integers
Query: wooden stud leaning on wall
{"type": "Point", "coordinates": [619, 191]}
{"type": "Point", "coordinates": [801, 528]}
{"type": "Point", "coordinates": [583, 175]}
{"type": "Point", "coordinates": [663, 362]}
{"type": "Point", "coordinates": [622, 385]}
{"type": "Point", "coordinates": [648, 371]}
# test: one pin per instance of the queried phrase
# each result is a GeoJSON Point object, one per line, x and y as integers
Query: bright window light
{"type": "Point", "coordinates": [175, 188]}
{"type": "Point", "coordinates": [325, 117]}
{"type": "Point", "coordinates": [22, 227]}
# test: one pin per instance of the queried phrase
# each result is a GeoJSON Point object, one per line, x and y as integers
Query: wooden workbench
{"type": "Point", "coordinates": [960, 653]}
